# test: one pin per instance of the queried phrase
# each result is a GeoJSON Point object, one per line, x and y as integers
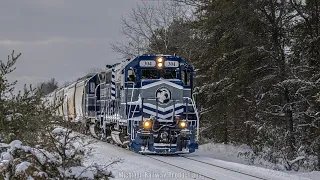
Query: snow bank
{"type": "Point", "coordinates": [242, 154]}
{"type": "Point", "coordinates": [226, 152]}
{"type": "Point", "coordinates": [23, 162]}
{"type": "Point", "coordinates": [311, 175]}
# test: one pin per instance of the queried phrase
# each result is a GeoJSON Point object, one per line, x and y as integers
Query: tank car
{"type": "Point", "coordinates": [146, 104]}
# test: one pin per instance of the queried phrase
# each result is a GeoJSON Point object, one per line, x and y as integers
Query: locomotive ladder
{"type": "Point", "coordinates": [115, 134]}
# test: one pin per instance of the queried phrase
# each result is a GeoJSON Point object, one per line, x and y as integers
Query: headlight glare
{"type": "Point", "coordinates": [146, 124]}
{"type": "Point", "coordinates": [160, 60]}
{"type": "Point", "coordinates": [183, 124]}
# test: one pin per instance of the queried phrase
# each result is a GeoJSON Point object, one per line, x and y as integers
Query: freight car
{"type": "Point", "coordinates": [146, 104]}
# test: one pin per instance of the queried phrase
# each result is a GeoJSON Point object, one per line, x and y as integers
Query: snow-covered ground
{"type": "Point", "coordinates": [200, 165]}
{"type": "Point", "coordinates": [231, 153]}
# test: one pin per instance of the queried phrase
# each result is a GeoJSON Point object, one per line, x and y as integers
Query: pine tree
{"type": "Point", "coordinates": [249, 77]}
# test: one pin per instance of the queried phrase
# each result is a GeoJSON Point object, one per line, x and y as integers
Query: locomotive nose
{"type": "Point", "coordinates": [162, 88]}
{"type": "Point", "coordinates": [162, 99]}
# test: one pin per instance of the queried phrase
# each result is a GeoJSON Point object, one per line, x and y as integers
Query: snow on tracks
{"type": "Point", "coordinates": [204, 170]}
{"type": "Point", "coordinates": [133, 165]}
{"type": "Point", "coordinates": [136, 166]}
{"type": "Point", "coordinates": [253, 171]}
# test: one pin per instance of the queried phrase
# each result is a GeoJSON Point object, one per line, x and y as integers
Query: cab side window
{"type": "Point", "coordinates": [185, 77]}
{"type": "Point", "coordinates": [131, 76]}
{"type": "Point", "coordinates": [108, 77]}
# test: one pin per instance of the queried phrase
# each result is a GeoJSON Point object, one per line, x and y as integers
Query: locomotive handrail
{"type": "Point", "coordinates": [128, 114]}
{"type": "Point", "coordinates": [197, 115]}
{"type": "Point", "coordinates": [156, 99]}
{"type": "Point", "coordinates": [126, 97]}
{"type": "Point", "coordinates": [95, 102]}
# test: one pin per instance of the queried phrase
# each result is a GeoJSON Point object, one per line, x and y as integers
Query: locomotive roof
{"type": "Point", "coordinates": [135, 62]}
{"type": "Point", "coordinates": [122, 65]}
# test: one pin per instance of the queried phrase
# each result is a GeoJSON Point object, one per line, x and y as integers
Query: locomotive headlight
{"type": "Point", "coordinates": [147, 124]}
{"type": "Point", "coordinates": [160, 60]}
{"type": "Point", "coordinates": [183, 124]}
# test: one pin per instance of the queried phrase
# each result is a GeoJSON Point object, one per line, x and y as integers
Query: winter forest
{"type": "Point", "coordinates": [257, 72]}
{"type": "Point", "coordinates": [258, 69]}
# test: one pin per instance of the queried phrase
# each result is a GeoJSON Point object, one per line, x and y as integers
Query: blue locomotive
{"type": "Point", "coordinates": [146, 104]}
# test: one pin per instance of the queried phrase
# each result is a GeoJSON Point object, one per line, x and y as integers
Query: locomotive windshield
{"type": "Point", "coordinates": [168, 74]}
{"type": "Point", "coordinates": [185, 76]}
{"type": "Point", "coordinates": [153, 74]}
{"type": "Point", "coordinates": [149, 74]}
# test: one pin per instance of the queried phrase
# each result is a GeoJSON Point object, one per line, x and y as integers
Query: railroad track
{"type": "Point", "coordinates": [188, 165]}
{"type": "Point", "coordinates": [203, 170]}
{"type": "Point", "coordinates": [199, 174]}
{"type": "Point", "coordinates": [224, 168]}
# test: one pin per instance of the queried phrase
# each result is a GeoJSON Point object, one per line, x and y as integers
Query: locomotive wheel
{"type": "Point", "coordinates": [125, 142]}
{"type": "Point", "coordinates": [124, 138]}
{"type": "Point", "coordinates": [95, 130]}
{"type": "Point", "coordinates": [83, 128]}
{"type": "Point", "coordinates": [181, 143]}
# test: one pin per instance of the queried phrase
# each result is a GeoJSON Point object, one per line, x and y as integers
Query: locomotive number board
{"type": "Point", "coordinates": [171, 64]}
{"type": "Point", "coordinates": [145, 63]}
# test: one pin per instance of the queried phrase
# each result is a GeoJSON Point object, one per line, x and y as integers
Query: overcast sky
{"type": "Point", "coordinates": [60, 39]}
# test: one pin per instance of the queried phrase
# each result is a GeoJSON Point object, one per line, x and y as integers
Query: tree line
{"type": "Point", "coordinates": [257, 67]}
